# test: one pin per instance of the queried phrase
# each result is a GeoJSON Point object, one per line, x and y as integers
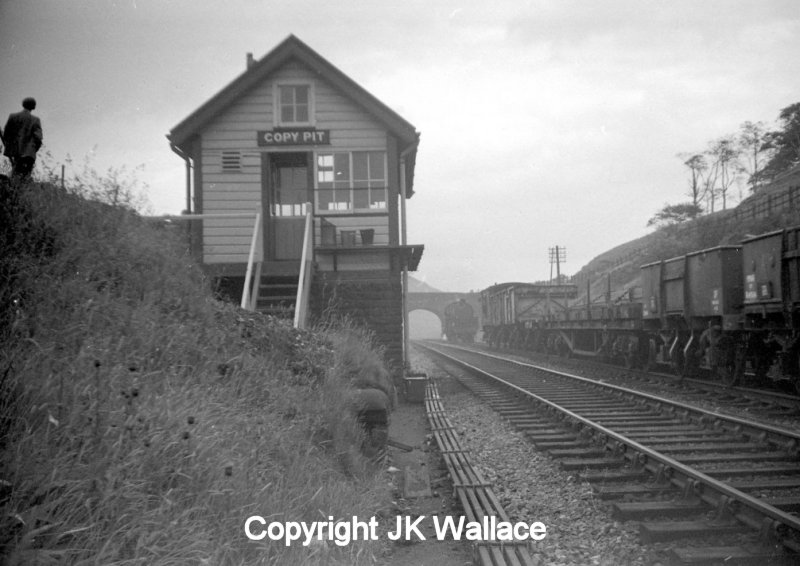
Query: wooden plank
{"type": "Point", "coordinates": [235, 195]}
{"type": "Point", "coordinates": [671, 530]}
{"type": "Point", "coordinates": [728, 555]}
{"type": "Point", "coordinates": [227, 206]}
{"type": "Point", "coordinates": [224, 224]}
{"type": "Point", "coordinates": [210, 256]}
{"type": "Point", "coordinates": [235, 241]}
{"type": "Point", "coordinates": [213, 232]}
{"type": "Point", "coordinates": [244, 142]}
{"type": "Point", "coordinates": [637, 510]}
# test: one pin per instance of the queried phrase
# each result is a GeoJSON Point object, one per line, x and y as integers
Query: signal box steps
{"type": "Point", "coordinates": [277, 295]}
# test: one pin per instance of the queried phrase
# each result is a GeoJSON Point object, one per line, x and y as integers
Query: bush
{"type": "Point", "coordinates": [142, 420]}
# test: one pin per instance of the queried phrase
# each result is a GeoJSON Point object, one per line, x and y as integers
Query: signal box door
{"type": "Point", "coordinates": [287, 188]}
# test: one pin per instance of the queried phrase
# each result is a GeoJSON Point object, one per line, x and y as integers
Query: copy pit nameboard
{"type": "Point", "coordinates": [293, 136]}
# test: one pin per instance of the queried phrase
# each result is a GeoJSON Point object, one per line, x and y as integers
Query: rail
{"type": "Point", "coordinates": [255, 257]}
{"type": "Point", "coordinates": [650, 456]}
{"type": "Point", "coordinates": [304, 281]}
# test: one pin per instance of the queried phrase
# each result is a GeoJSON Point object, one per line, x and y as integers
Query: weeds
{"type": "Point", "coordinates": [141, 421]}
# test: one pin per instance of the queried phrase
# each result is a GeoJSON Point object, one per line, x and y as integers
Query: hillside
{"type": "Point", "coordinates": [766, 211]}
{"type": "Point", "coordinates": [143, 421]}
{"type": "Point", "coordinates": [417, 286]}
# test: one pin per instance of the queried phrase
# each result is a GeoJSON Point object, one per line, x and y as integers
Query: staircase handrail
{"type": "Point", "coordinates": [304, 281]}
{"type": "Point", "coordinates": [250, 298]}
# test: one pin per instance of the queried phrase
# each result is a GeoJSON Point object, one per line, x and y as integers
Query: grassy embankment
{"type": "Point", "coordinates": [142, 421]}
{"type": "Point", "coordinates": [623, 263]}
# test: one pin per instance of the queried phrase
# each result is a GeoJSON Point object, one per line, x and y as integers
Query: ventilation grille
{"type": "Point", "coordinates": [231, 161]}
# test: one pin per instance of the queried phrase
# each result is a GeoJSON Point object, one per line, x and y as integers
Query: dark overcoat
{"type": "Point", "coordinates": [22, 135]}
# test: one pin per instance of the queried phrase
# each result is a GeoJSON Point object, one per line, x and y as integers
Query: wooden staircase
{"type": "Point", "coordinates": [278, 291]}
{"type": "Point", "coordinates": [277, 294]}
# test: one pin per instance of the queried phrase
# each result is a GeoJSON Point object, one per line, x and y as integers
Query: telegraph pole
{"type": "Point", "coordinates": [558, 255]}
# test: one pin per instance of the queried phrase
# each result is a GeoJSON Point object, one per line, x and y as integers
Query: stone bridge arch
{"type": "Point", "coordinates": [436, 303]}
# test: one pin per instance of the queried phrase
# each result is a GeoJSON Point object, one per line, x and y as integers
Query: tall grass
{"type": "Point", "coordinates": [141, 420]}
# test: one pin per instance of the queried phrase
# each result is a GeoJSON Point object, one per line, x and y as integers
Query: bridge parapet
{"type": "Point", "coordinates": [436, 303]}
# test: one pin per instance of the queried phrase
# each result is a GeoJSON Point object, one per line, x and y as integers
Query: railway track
{"type": "Point", "coordinates": [771, 405]}
{"type": "Point", "coordinates": [708, 488]}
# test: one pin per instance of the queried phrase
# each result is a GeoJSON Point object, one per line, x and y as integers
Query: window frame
{"type": "Point", "coordinates": [276, 103]}
{"type": "Point", "coordinates": [351, 188]}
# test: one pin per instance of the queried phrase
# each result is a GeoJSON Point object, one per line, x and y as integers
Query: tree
{"type": "Point", "coordinates": [697, 166]}
{"type": "Point", "coordinates": [754, 144]}
{"type": "Point", "coordinates": [724, 155]}
{"type": "Point", "coordinates": [673, 214]}
{"type": "Point", "coordinates": [784, 142]}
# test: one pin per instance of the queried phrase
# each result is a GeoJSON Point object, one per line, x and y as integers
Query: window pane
{"type": "Point", "coordinates": [324, 169]}
{"type": "Point", "coordinates": [286, 114]}
{"type": "Point", "coordinates": [376, 169]}
{"type": "Point", "coordinates": [377, 198]}
{"type": "Point", "coordinates": [286, 95]}
{"type": "Point", "coordinates": [360, 171]}
{"type": "Point", "coordinates": [324, 199]}
{"type": "Point", "coordinates": [341, 166]}
{"type": "Point", "coordinates": [301, 94]}
{"type": "Point", "coordinates": [361, 198]}
{"type": "Point", "coordinates": [302, 114]}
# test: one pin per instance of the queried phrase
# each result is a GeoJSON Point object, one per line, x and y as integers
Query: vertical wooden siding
{"type": "Point", "coordinates": [227, 241]}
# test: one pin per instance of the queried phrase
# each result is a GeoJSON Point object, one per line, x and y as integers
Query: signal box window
{"type": "Point", "coordinates": [294, 104]}
{"type": "Point", "coordinates": [333, 181]}
{"type": "Point", "coordinates": [351, 181]}
{"type": "Point", "coordinates": [369, 180]}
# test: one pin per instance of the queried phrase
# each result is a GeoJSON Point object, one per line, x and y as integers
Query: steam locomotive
{"type": "Point", "coordinates": [460, 322]}
{"type": "Point", "coordinates": [733, 311]}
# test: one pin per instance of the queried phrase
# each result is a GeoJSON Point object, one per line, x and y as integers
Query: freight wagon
{"type": "Point", "coordinates": [732, 310]}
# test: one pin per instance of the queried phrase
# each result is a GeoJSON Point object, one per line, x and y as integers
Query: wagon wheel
{"type": "Point", "coordinates": [796, 378]}
{"type": "Point", "coordinates": [739, 366]}
{"type": "Point", "coordinates": [728, 374]}
{"type": "Point", "coordinates": [634, 356]}
{"type": "Point", "coordinates": [650, 363]}
{"type": "Point", "coordinates": [563, 349]}
{"type": "Point", "coordinates": [630, 360]}
{"type": "Point", "coordinates": [631, 357]}
{"type": "Point", "coordinates": [676, 362]}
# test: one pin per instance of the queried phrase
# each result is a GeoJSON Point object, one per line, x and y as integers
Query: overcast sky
{"type": "Point", "coordinates": [543, 123]}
